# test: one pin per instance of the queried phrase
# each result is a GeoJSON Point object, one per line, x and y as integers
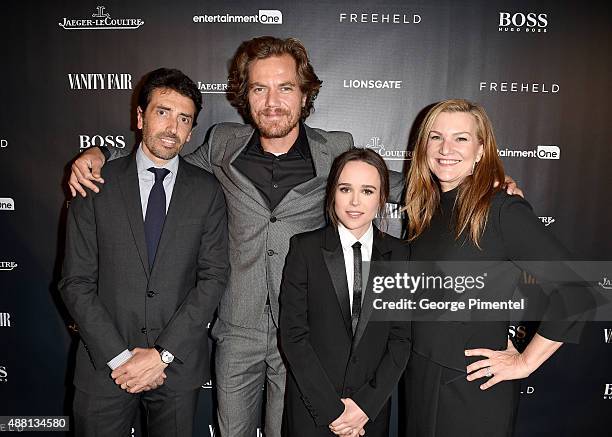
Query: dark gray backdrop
{"type": "Point", "coordinates": [541, 69]}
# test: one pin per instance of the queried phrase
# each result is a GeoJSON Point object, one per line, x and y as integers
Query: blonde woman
{"type": "Point", "coordinates": [462, 377]}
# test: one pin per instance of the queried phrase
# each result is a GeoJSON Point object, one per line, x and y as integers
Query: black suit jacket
{"type": "Point", "coordinates": [326, 361]}
{"type": "Point", "coordinates": [118, 302]}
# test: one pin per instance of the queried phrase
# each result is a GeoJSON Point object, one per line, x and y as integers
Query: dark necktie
{"type": "Point", "coordinates": [156, 212]}
{"type": "Point", "coordinates": [357, 284]}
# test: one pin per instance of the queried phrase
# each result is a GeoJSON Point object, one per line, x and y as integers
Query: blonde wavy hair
{"type": "Point", "coordinates": [475, 192]}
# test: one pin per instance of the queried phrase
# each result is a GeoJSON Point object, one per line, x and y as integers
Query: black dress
{"type": "Point", "coordinates": [439, 401]}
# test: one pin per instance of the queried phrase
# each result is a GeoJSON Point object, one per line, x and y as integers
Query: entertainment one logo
{"type": "Point", "coordinates": [541, 152]}
{"type": "Point", "coordinates": [264, 16]}
{"type": "Point", "coordinates": [212, 88]}
{"type": "Point", "coordinates": [101, 20]}
{"type": "Point", "coordinates": [5, 320]}
{"type": "Point", "coordinates": [100, 81]}
{"type": "Point", "coordinates": [7, 265]}
{"type": "Point", "coordinates": [382, 18]}
{"type": "Point", "coordinates": [87, 141]}
{"type": "Point", "coordinates": [7, 204]}
{"type": "Point", "coordinates": [372, 84]}
{"type": "Point", "coordinates": [519, 87]}
{"type": "Point", "coordinates": [547, 220]}
{"type": "Point", "coordinates": [530, 22]}
{"type": "Point", "coordinates": [3, 374]}
{"type": "Point", "coordinates": [3, 144]}
{"type": "Point", "coordinates": [608, 392]}
{"type": "Point", "coordinates": [377, 145]}
{"type": "Point", "coordinates": [607, 335]}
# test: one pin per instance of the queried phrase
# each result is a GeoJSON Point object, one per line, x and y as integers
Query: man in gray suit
{"type": "Point", "coordinates": [146, 264]}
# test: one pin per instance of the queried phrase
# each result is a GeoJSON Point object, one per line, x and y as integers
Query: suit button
{"type": "Point", "coordinates": [151, 294]}
{"type": "Point", "coordinates": [273, 219]}
{"type": "Point", "coordinates": [270, 252]}
{"type": "Point", "coordinates": [143, 330]}
{"type": "Point", "coordinates": [354, 360]}
{"type": "Point", "coordinates": [348, 391]}
{"type": "Point", "coordinates": [275, 185]}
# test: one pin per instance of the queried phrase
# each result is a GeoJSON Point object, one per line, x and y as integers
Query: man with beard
{"type": "Point", "coordinates": [146, 264]}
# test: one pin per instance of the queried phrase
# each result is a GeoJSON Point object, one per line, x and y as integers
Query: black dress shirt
{"type": "Point", "coordinates": [274, 176]}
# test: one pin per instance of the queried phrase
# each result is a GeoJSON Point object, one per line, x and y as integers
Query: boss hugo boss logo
{"type": "Point", "coordinates": [518, 332]}
{"type": "Point", "coordinates": [87, 141]}
{"type": "Point", "coordinates": [264, 16]}
{"type": "Point", "coordinates": [100, 81]}
{"type": "Point", "coordinates": [3, 144]}
{"type": "Point", "coordinates": [523, 22]}
{"type": "Point", "coordinates": [7, 204]}
{"type": "Point", "coordinates": [101, 20]}
{"type": "Point", "coordinates": [382, 18]}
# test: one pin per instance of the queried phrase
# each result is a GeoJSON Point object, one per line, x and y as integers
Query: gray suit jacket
{"type": "Point", "coordinates": [118, 302]}
{"type": "Point", "coordinates": [259, 237]}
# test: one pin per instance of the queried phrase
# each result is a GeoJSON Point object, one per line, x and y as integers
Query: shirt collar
{"type": "Point", "coordinates": [300, 145]}
{"type": "Point", "coordinates": [347, 239]}
{"type": "Point", "coordinates": [143, 163]}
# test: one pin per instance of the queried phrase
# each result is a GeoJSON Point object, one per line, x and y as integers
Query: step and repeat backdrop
{"type": "Point", "coordinates": [541, 69]}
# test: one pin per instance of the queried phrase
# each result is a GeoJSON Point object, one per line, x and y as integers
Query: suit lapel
{"type": "Point", "coordinates": [322, 163]}
{"type": "Point", "coordinates": [334, 260]}
{"type": "Point", "coordinates": [233, 148]}
{"type": "Point", "coordinates": [177, 209]}
{"type": "Point", "coordinates": [380, 252]}
{"type": "Point", "coordinates": [130, 191]}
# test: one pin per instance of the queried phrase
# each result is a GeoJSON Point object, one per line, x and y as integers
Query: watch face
{"type": "Point", "coordinates": [167, 357]}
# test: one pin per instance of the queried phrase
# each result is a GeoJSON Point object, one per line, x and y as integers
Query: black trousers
{"type": "Point", "coordinates": [167, 413]}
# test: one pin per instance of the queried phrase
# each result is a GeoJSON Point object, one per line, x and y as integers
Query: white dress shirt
{"type": "Point", "coordinates": [347, 239]}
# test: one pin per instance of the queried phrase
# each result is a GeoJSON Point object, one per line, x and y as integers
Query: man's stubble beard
{"type": "Point", "coordinates": [278, 129]}
{"type": "Point", "coordinates": [152, 141]}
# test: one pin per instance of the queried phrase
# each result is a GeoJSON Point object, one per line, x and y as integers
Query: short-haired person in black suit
{"type": "Point", "coordinates": [342, 367]}
{"type": "Point", "coordinates": [146, 264]}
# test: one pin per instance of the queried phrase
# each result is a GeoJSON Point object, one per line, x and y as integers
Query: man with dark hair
{"type": "Point", "coordinates": [143, 275]}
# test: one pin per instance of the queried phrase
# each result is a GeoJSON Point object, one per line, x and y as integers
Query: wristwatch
{"type": "Point", "coordinates": [166, 356]}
